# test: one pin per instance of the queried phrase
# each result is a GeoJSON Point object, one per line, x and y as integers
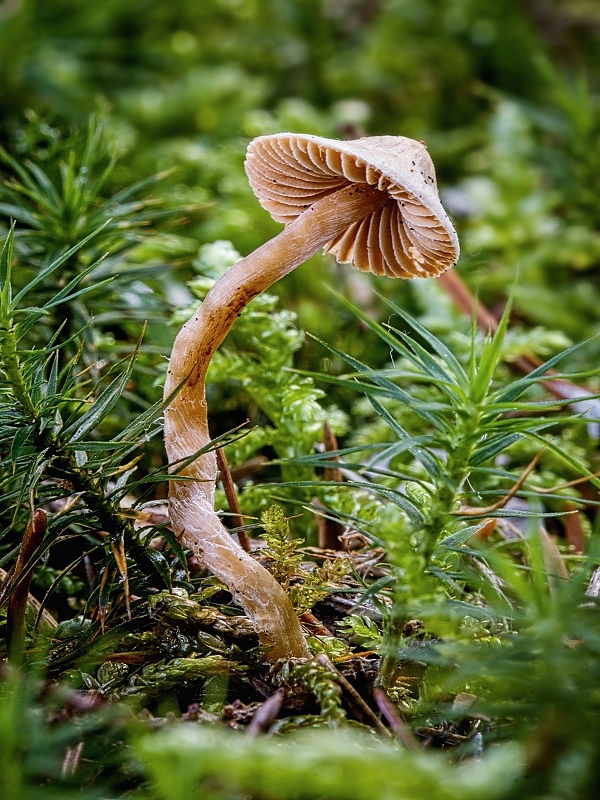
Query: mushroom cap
{"type": "Point", "coordinates": [288, 172]}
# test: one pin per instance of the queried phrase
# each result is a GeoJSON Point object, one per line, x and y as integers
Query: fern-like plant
{"type": "Point", "coordinates": [462, 458]}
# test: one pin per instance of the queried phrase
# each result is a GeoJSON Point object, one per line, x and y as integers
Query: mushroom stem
{"type": "Point", "coordinates": [186, 424]}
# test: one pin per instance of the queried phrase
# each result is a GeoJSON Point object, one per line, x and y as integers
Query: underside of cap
{"type": "Point", "coordinates": [408, 237]}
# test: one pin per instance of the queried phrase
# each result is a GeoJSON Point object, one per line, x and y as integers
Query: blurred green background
{"type": "Point", "coordinates": [505, 93]}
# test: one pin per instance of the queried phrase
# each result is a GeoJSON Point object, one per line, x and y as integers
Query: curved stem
{"type": "Point", "coordinates": [186, 424]}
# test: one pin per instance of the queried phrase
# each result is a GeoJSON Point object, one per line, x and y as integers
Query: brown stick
{"type": "Point", "coordinates": [465, 300]}
{"type": "Point", "coordinates": [17, 605]}
{"type": "Point", "coordinates": [567, 485]}
{"type": "Point", "coordinates": [331, 445]}
{"type": "Point", "coordinates": [266, 714]}
{"type": "Point", "coordinates": [469, 511]}
{"type": "Point", "coordinates": [314, 624]}
{"type": "Point", "coordinates": [397, 724]}
{"type": "Point", "coordinates": [353, 696]}
{"type": "Point", "coordinates": [329, 530]}
{"type": "Point", "coordinates": [232, 499]}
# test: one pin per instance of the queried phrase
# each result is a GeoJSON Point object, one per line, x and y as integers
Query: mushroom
{"type": "Point", "coordinates": [372, 202]}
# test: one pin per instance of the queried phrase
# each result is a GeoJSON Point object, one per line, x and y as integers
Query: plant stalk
{"type": "Point", "coordinates": [12, 368]}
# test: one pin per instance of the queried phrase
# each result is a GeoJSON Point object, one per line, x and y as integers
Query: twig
{"type": "Point", "coordinates": [315, 625]}
{"type": "Point", "coordinates": [266, 714]}
{"type": "Point", "coordinates": [567, 485]}
{"type": "Point", "coordinates": [354, 697]}
{"type": "Point", "coordinates": [232, 499]}
{"type": "Point", "coordinates": [470, 511]}
{"type": "Point", "coordinates": [573, 525]}
{"type": "Point", "coordinates": [45, 620]}
{"type": "Point", "coordinates": [397, 724]}
{"type": "Point", "coordinates": [331, 446]}
{"type": "Point", "coordinates": [554, 563]}
{"type": "Point", "coordinates": [248, 468]}
{"type": "Point", "coordinates": [329, 530]}
{"type": "Point", "coordinates": [21, 582]}
{"type": "Point", "coordinates": [465, 300]}
{"type": "Point", "coordinates": [484, 531]}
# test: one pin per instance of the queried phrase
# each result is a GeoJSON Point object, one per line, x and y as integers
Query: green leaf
{"type": "Point", "coordinates": [18, 444]}
{"type": "Point", "coordinates": [492, 446]}
{"type": "Point", "coordinates": [383, 387]}
{"type": "Point", "coordinates": [440, 348]}
{"type": "Point", "coordinates": [428, 364]}
{"type": "Point", "coordinates": [21, 215]}
{"type": "Point", "coordinates": [517, 387]}
{"type": "Point", "coordinates": [462, 536]}
{"type": "Point", "coordinates": [99, 409]}
{"type": "Point", "coordinates": [6, 257]}
{"type": "Point", "coordinates": [427, 459]}
{"type": "Point", "coordinates": [45, 273]}
{"type": "Point", "coordinates": [490, 358]}
{"type": "Point", "coordinates": [160, 563]}
{"type": "Point", "coordinates": [51, 198]}
{"type": "Point", "coordinates": [372, 591]}
{"type": "Point", "coordinates": [52, 384]}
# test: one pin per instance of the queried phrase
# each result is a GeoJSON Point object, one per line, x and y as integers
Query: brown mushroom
{"type": "Point", "coordinates": [372, 202]}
